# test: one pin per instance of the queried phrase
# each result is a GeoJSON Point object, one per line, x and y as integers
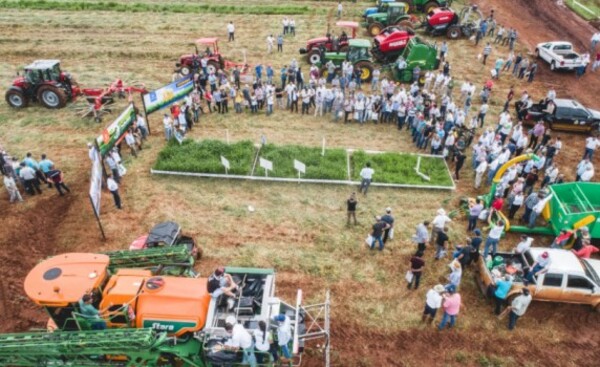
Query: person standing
{"type": "Point", "coordinates": [270, 43]}
{"type": "Point", "coordinates": [439, 222]}
{"type": "Point", "coordinates": [45, 166]}
{"type": "Point", "coordinates": [487, 50]}
{"type": "Point", "coordinates": [340, 8]}
{"type": "Point", "coordinates": [422, 236]}
{"type": "Point", "coordinates": [280, 44]}
{"type": "Point", "coordinates": [459, 160]}
{"type": "Point", "coordinates": [388, 233]}
{"type": "Point", "coordinates": [11, 187]}
{"type": "Point", "coordinates": [433, 301]}
{"type": "Point", "coordinates": [518, 307]}
{"type": "Point", "coordinates": [455, 274]}
{"type": "Point", "coordinates": [31, 183]}
{"type": "Point", "coordinates": [494, 236]}
{"type": "Point", "coordinates": [113, 187]}
{"type": "Point", "coordinates": [417, 264]}
{"type": "Point", "coordinates": [351, 204]}
{"type": "Point", "coordinates": [241, 339]}
{"type": "Point", "coordinates": [231, 32]}
{"type": "Point", "coordinates": [451, 304]}
{"type": "Point", "coordinates": [292, 26]}
{"type": "Point", "coordinates": [503, 286]}
{"type": "Point", "coordinates": [168, 125]}
{"type": "Point", "coordinates": [479, 172]}
{"type": "Point", "coordinates": [474, 211]}
{"type": "Point", "coordinates": [366, 175]}
{"type": "Point", "coordinates": [441, 242]}
{"type": "Point", "coordinates": [377, 233]}
{"type": "Point", "coordinates": [591, 143]}
{"type": "Point", "coordinates": [284, 335]}
{"type": "Point", "coordinates": [130, 140]}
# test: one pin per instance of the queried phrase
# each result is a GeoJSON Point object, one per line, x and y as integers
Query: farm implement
{"type": "Point", "coordinates": [44, 82]}
{"type": "Point", "coordinates": [150, 320]}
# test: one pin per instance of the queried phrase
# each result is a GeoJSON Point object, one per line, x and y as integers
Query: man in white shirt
{"type": "Point", "coordinates": [588, 174]}
{"type": "Point", "coordinates": [113, 187]}
{"type": "Point", "coordinates": [231, 31]}
{"type": "Point", "coordinates": [340, 8]}
{"type": "Point", "coordinates": [32, 185]}
{"type": "Point", "coordinates": [493, 238]}
{"type": "Point", "coordinates": [366, 175]}
{"type": "Point", "coordinates": [433, 301]}
{"type": "Point", "coordinates": [240, 339]}
{"type": "Point", "coordinates": [438, 223]}
{"type": "Point", "coordinates": [540, 266]}
{"type": "Point", "coordinates": [284, 335]}
{"type": "Point", "coordinates": [591, 143]}
{"type": "Point", "coordinates": [524, 245]}
{"type": "Point", "coordinates": [479, 172]}
{"type": "Point", "coordinates": [582, 167]}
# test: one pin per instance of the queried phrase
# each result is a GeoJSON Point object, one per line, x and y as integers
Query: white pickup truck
{"type": "Point", "coordinates": [559, 54]}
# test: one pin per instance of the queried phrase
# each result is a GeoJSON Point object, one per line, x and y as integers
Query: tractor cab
{"type": "Point", "coordinates": [397, 13]}
{"type": "Point", "coordinates": [207, 46]}
{"type": "Point", "coordinates": [358, 50]}
{"type": "Point", "coordinates": [43, 71]}
{"type": "Point", "coordinates": [351, 26]}
{"type": "Point", "coordinates": [380, 8]}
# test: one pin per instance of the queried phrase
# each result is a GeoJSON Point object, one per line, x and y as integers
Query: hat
{"type": "Point", "coordinates": [545, 254]}
{"type": "Point", "coordinates": [441, 212]}
{"type": "Point", "coordinates": [388, 209]}
{"type": "Point", "coordinates": [231, 320]}
{"type": "Point", "coordinates": [280, 318]}
{"type": "Point", "coordinates": [455, 264]}
{"type": "Point", "coordinates": [378, 217]}
{"type": "Point", "coordinates": [451, 288]}
{"type": "Point", "coordinates": [439, 288]}
{"type": "Point", "coordinates": [477, 232]}
{"type": "Point", "coordinates": [89, 145]}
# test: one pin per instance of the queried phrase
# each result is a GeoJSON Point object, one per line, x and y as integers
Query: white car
{"type": "Point", "coordinates": [559, 54]}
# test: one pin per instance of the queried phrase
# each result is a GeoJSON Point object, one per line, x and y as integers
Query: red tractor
{"type": "Point", "coordinates": [390, 43]}
{"type": "Point", "coordinates": [191, 62]}
{"type": "Point", "coordinates": [329, 43]}
{"type": "Point", "coordinates": [454, 25]}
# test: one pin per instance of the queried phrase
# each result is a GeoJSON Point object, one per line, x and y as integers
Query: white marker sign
{"type": "Point", "coordinates": [299, 166]}
{"type": "Point", "coordinates": [267, 165]}
{"type": "Point", "coordinates": [225, 164]}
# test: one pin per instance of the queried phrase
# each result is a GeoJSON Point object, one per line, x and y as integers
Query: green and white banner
{"type": "Point", "coordinates": [111, 135]}
{"type": "Point", "coordinates": [167, 95]}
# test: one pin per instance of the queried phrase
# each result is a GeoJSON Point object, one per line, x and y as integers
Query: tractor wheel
{"type": "Point", "coordinates": [212, 67]}
{"type": "Point", "coordinates": [185, 70]}
{"type": "Point", "coordinates": [430, 6]}
{"type": "Point", "coordinates": [406, 24]}
{"type": "Point", "coordinates": [453, 32]}
{"type": "Point", "coordinates": [16, 98]}
{"type": "Point", "coordinates": [375, 29]}
{"type": "Point", "coordinates": [314, 57]}
{"type": "Point", "coordinates": [51, 96]}
{"type": "Point", "coordinates": [366, 70]}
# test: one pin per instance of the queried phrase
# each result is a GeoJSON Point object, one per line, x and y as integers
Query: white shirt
{"type": "Point", "coordinates": [591, 143]}
{"type": "Point", "coordinates": [587, 175]}
{"type": "Point", "coordinates": [434, 299]}
{"type": "Point", "coordinates": [9, 183]}
{"type": "Point", "coordinates": [518, 200]}
{"type": "Point", "coordinates": [524, 245]}
{"type": "Point", "coordinates": [261, 341]}
{"type": "Point", "coordinates": [284, 332]}
{"type": "Point", "coordinates": [440, 221]}
{"type": "Point", "coordinates": [496, 232]}
{"type": "Point", "coordinates": [230, 28]}
{"type": "Point", "coordinates": [129, 139]}
{"type": "Point", "coordinates": [27, 173]}
{"type": "Point", "coordinates": [240, 337]}
{"type": "Point", "coordinates": [367, 173]}
{"type": "Point", "coordinates": [481, 167]}
{"type": "Point", "coordinates": [112, 184]}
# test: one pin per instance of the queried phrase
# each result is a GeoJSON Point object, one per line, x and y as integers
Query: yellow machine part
{"type": "Point", "coordinates": [512, 162]}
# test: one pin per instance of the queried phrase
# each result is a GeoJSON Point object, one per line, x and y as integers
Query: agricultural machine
{"type": "Point", "coordinates": [454, 25]}
{"type": "Point", "coordinates": [414, 5]}
{"type": "Point", "coordinates": [166, 234]}
{"type": "Point", "coordinates": [358, 55]}
{"type": "Point", "coordinates": [150, 320]}
{"type": "Point", "coordinates": [191, 62]}
{"type": "Point", "coordinates": [569, 206]}
{"type": "Point", "coordinates": [329, 43]}
{"type": "Point", "coordinates": [390, 43]}
{"type": "Point", "coordinates": [380, 8]}
{"type": "Point", "coordinates": [44, 82]}
{"type": "Point", "coordinates": [396, 14]}
{"type": "Point", "coordinates": [417, 53]}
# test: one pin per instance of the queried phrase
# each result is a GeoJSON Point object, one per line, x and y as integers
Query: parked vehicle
{"type": "Point", "coordinates": [166, 234]}
{"type": "Point", "coordinates": [454, 25]}
{"type": "Point", "coordinates": [559, 54]}
{"type": "Point", "coordinates": [414, 5]}
{"type": "Point", "coordinates": [358, 55]}
{"type": "Point", "coordinates": [569, 279]}
{"type": "Point", "coordinates": [396, 14]}
{"type": "Point", "coordinates": [417, 53]}
{"type": "Point", "coordinates": [329, 42]}
{"type": "Point", "coordinates": [390, 43]}
{"type": "Point", "coordinates": [380, 8]}
{"type": "Point", "coordinates": [566, 114]}
{"type": "Point", "coordinates": [191, 62]}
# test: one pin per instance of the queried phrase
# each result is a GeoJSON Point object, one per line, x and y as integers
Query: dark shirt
{"type": "Point", "coordinates": [531, 179]}
{"type": "Point", "coordinates": [378, 228]}
{"type": "Point", "coordinates": [550, 152]}
{"type": "Point", "coordinates": [388, 219]}
{"type": "Point", "coordinates": [351, 205]}
{"type": "Point", "coordinates": [416, 263]}
{"type": "Point", "coordinates": [441, 238]}
{"type": "Point", "coordinates": [460, 159]}
{"type": "Point", "coordinates": [466, 252]}
{"type": "Point", "coordinates": [476, 242]}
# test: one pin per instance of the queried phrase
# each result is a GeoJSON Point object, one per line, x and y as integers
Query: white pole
{"type": "Point", "coordinates": [323, 149]}
{"type": "Point", "coordinates": [226, 171]}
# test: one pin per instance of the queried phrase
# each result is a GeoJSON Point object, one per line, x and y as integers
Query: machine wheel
{"type": "Point", "coordinates": [366, 70]}
{"type": "Point", "coordinates": [51, 96]}
{"type": "Point", "coordinates": [406, 24]}
{"type": "Point", "coordinates": [212, 67]}
{"type": "Point", "coordinates": [453, 32]}
{"type": "Point", "coordinates": [314, 57]}
{"type": "Point", "coordinates": [16, 98]}
{"type": "Point", "coordinates": [375, 29]}
{"type": "Point", "coordinates": [185, 70]}
{"type": "Point", "coordinates": [552, 66]}
{"type": "Point", "coordinates": [430, 6]}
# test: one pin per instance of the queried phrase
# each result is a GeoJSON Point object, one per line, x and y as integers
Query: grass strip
{"type": "Point", "coordinates": [165, 7]}
{"type": "Point", "coordinates": [398, 168]}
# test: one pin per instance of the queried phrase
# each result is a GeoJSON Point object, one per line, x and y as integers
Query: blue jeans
{"type": "Point", "coordinates": [377, 239]}
{"type": "Point", "coordinates": [445, 319]}
{"type": "Point", "coordinates": [472, 222]}
{"type": "Point", "coordinates": [589, 153]}
{"type": "Point", "coordinates": [364, 185]}
{"type": "Point", "coordinates": [490, 242]}
{"type": "Point", "coordinates": [512, 320]}
{"type": "Point", "coordinates": [168, 133]}
{"type": "Point", "coordinates": [269, 109]}
{"type": "Point", "coordinates": [401, 120]}
{"type": "Point", "coordinates": [532, 218]}
{"type": "Point", "coordinates": [286, 351]}
{"type": "Point", "coordinates": [532, 272]}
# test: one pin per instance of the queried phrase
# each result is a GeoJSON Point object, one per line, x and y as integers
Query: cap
{"type": "Point", "coordinates": [231, 320]}
{"type": "Point", "coordinates": [545, 254]}
{"type": "Point", "coordinates": [477, 232]}
{"type": "Point", "coordinates": [388, 209]}
{"type": "Point", "coordinates": [441, 212]}
{"type": "Point", "coordinates": [439, 288]}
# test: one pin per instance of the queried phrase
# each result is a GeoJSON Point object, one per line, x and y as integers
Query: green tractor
{"type": "Point", "coordinates": [397, 14]}
{"type": "Point", "coordinates": [417, 53]}
{"type": "Point", "coordinates": [358, 54]}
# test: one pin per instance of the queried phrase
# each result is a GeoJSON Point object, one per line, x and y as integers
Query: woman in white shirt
{"type": "Point", "coordinates": [262, 342]}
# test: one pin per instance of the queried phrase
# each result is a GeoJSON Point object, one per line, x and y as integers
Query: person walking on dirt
{"type": "Point", "coordinates": [388, 233]}
{"type": "Point", "coordinates": [11, 187]}
{"type": "Point", "coordinates": [451, 305]}
{"type": "Point", "coordinates": [231, 32]}
{"type": "Point", "coordinates": [481, 32]}
{"type": "Point", "coordinates": [113, 187]}
{"type": "Point", "coordinates": [377, 233]}
{"type": "Point", "coordinates": [503, 286]}
{"type": "Point", "coordinates": [280, 43]}
{"type": "Point", "coordinates": [340, 8]}
{"type": "Point", "coordinates": [417, 264]}
{"type": "Point", "coordinates": [30, 181]}
{"type": "Point", "coordinates": [523, 66]}
{"type": "Point", "coordinates": [422, 236]}
{"type": "Point", "coordinates": [433, 301]}
{"type": "Point", "coordinates": [351, 204]}
{"type": "Point", "coordinates": [438, 224]}
{"type": "Point", "coordinates": [366, 175]}
{"type": "Point", "coordinates": [532, 70]}
{"type": "Point", "coordinates": [518, 307]}
{"type": "Point", "coordinates": [487, 50]}
{"type": "Point", "coordinates": [56, 176]}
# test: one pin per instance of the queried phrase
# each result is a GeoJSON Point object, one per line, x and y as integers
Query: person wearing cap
{"type": "Point", "coordinates": [518, 307]}
{"type": "Point", "coordinates": [494, 236]}
{"type": "Point", "coordinates": [503, 286]}
{"type": "Point", "coordinates": [433, 301]}
{"type": "Point", "coordinates": [540, 266]}
{"type": "Point", "coordinates": [524, 245]}
{"type": "Point", "coordinates": [586, 250]}
{"type": "Point", "coordinates": [220, 283]}
{"type": "Point", "coordinates": [240, 339]}
{"type": "Point", "coordinates": [417, 264]}
{"type": "Point", "coordinates": [284, 335]}
{"type": "Point", "coordinates": [451, 305]}
{"type": "Point", "coordinates": [438, 224]}
{"type": "Point", "coordinates": [388, 233]}
{"type": "Point", "coordinates": [377, 233]}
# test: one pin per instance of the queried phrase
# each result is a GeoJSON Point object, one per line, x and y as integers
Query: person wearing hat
{"type": "Point", "coordinates": [439, 222]}
{"type": "Point", "coordinates": [456, 274]}
{"type": "Point", "coordinates": [518, 307]}
{"type": "Point", "coordinates": [220, 283]}
{"type": "Point", "coordinates": [377, 233]}
{"type": "Point", "coordinates": [240, 339]}
{"type": "Point", "coordinates": [433, 301]}
{"type": "Point", "coordinates": [503, 286]}
{"type": "Point", "coordinates": [451, 305]}
{"type": "Point", "coordinates": [540, 266]}
{"type": "Point", "coordinates": [284, 335]}
{"type": "Point", "coordinates": [388, 233]}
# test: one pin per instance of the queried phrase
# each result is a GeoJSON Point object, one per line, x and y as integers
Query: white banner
{"type": "Point", "coordinates": [96, 183]}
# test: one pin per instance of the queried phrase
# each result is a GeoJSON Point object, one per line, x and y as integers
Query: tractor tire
{"type": "Point", "coordinates": [406, 24]}
{"type": "Point", "coordinates": [375, 28]}
{"type": "Point", "coordinates": [314, 57]}
{"type": "Point", "coordinates": [366, 70]}
{"type": "Point", "coordinates": [212, 66]}
{"type": "Point", "coordinates": [16, 98]}
{"type": "Point", "coordinates": [51, 96]}
{"type": "Point", "coordinates": [453, 32]}
{"type": "Point", "coordinates": [185, 70]}
{"type": "Point", "coordinates": [430, 6]}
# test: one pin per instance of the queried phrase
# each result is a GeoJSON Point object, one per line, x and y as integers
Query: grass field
{"type": "Point", "coordinates": [299, 230]}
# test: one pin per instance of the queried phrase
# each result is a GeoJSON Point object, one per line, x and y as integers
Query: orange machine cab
{"type": "Point", "coordinates": [130, 298]}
